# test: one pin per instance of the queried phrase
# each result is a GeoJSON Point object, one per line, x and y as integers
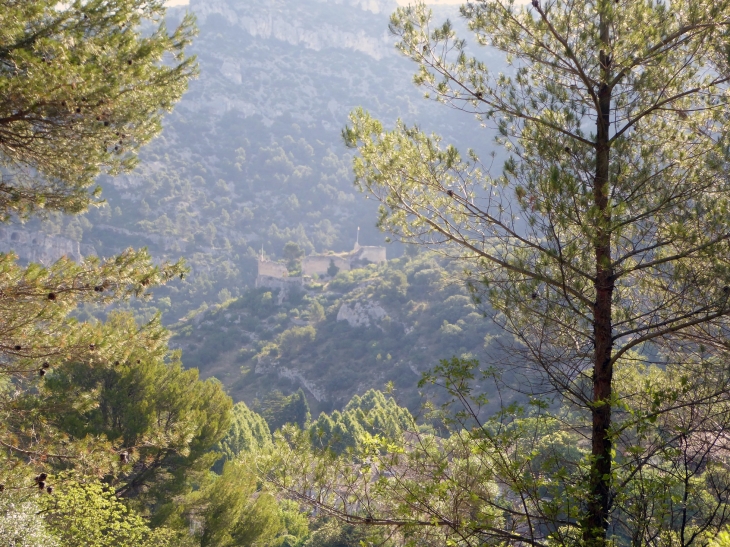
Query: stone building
{"type": "Point", "coordinates": [372, 254]}
{"type": "Point", "coordinates": [275, 275]}
{"type": "Point", "coordinates": [359, 256]}
{"type": "Point", "coordinates": [269, 268]}
{"type": "Point", "coordinates": [319, 264]}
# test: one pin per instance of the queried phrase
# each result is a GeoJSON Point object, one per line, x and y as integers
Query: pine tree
{"type": "Point", "coordinates": [83, 84]}
{"type": "Point", "coordinates": [248, 433]}
{"type": "Point", "coordinates": [602, 248]}
{"type": "Point", "coordinates": [82, 87]}
{"type": "Point", "coordinates": [236, 512]}
{"type": "Point", "coordinates": [40, 337]}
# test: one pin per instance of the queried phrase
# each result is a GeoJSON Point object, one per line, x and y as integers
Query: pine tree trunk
{"type": "Point", "coordinates": [596, 518]}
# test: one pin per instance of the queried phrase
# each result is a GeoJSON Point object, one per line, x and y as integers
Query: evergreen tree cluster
{"type": "Point", "coordinates": [372, 413]}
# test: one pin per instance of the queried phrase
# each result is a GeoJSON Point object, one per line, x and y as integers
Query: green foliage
{"type": "Point", "coordinates": [82, 89]}
{"type": "Point", "coordinates": [392, 286]}
{"type": "Point", "coordinates": [235, 512]}
{"type": "Point", "coordinates": [372, 413]}
{"type": "Point", "coordinates": [292, 254]}
{"type": "Point", "coordinates": [330, 533]}
{"type": "Point", "coordinates": [332, 270]}
{"type": "Point", "coordinates": [48, 295]}
{"type": "Point", "coordinates": [278, 178]}
{"type": "Point", "coordinates": [254, 332]}
{"type": "Point", "coordinates": [44, 342]}
{"type": "Point", "coordinates": [248, 433]}
{"type": "Point", "coordinates": [161, 416]}
{"type": "Point", "coordinates": [291, 341]}
{"type": "Point", "coordinates": [526, 448]}
{"type": "Point", "coordinates": [278, 409]}
{"type": "Point", "coordinates": [722, 539]}
{"type": "Point", "coordinates": [295, 526]}
{"type": "Point", "coordinates": [610, 200]}
{"type": "Point", "coordinates": [90, 514]}
{"type": "Point", "coordinates": [316, 312]}
{"type": "Point", "coordinates": [185, 194]}
{"type": "Point", "coordinates": [84, 84]}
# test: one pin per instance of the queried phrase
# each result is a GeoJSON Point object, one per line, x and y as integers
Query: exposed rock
{"type": "Point", "coordinates": [359, 314]}
{"type": "Point", "coordinates": [297, 376]}
{"type": "Point", "coordinates": [266, 366]}
{"type": "Point", "coordinates": [39, 247]}
{"type": "Point", "coordinates": [268, 20]}
{"type": "Point", "coordinates": [167, 242]}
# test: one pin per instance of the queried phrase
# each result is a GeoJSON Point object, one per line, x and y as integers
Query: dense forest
{"type": "Point", "coordinates": [540, 360]}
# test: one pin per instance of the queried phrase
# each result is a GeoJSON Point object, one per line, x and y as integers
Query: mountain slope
{"type": "Point", "coordinates": [251, 159]}
{"type": "Point", "coordinates": [340, 337]}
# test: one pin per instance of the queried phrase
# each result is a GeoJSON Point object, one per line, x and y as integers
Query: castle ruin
{"type": "Point", "coordinates": [320, 264]}
{"type": "Point", "coordinates": [268, 268]}
{"type": "Point", "coordinates": [275, 275]}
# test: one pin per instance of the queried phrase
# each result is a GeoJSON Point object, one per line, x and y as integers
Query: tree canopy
{"type": "Point", "coordinates": [248, 433]}
{"type": "Point", "coordinates": [373, 414]}
{"type": "Point", "coordinates": [90, 514]}
{"type": "Point", "coordinates": [83, 85]}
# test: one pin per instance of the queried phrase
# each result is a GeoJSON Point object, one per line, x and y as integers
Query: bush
{"type": "Point", "coordinates": [91, 515]}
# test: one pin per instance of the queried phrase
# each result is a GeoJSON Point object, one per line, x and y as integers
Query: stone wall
{"type": "Point", "coordinates": [283, 283]}
{"type": "Point", "coordinates": [272, 269]}
{"type": "Point", "coordinates": [319, 264]}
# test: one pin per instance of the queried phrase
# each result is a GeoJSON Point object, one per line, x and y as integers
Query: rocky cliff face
{"type": "Point", "coordinates": [308, 26]}
{"type": "Point", "coordinates": [34, 246]}
{"type": "Point", "coordinates": [313, 60]}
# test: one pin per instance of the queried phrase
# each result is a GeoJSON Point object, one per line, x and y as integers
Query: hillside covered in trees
{"type": "Point", "coordinates": [537, 357]}
{"type": "Point", "coordinates": [252, 157]}
{"type": "Point", "coordinates": [337, 337]}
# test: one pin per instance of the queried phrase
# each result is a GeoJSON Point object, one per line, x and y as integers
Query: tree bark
{"type": "Point", "coordinates": [596, 518]}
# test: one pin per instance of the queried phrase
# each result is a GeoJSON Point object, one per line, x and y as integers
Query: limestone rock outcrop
{"type": "Point", "coordinates": [361, 314]}
{"type": "Point", "coordinates": [32, 246]}
{"type": "Point", "coordinates": [273, 20]}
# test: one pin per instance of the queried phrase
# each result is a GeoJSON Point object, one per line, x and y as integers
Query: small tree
{"type": "Point", "coordinates": [602, 249]}
{"type": "Point", "coordinates": [248, 433]}
{"type": "Point", "coordinates": [236, 512]}
{"type": "Point", "coordinates": [316, 312]}
{"type": "Point", "coordinates": [21, 522]}
{"type": "Point", "coordinates": [90, 514]}
{"type": "Point", "coordinates": [332, 270]}
{"type": "Point", "coordinates": [279, 409]}
{"type": "Point", "coordinates": [293, 254]}
{"type": "Point", "coordinates": [40, 339]}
